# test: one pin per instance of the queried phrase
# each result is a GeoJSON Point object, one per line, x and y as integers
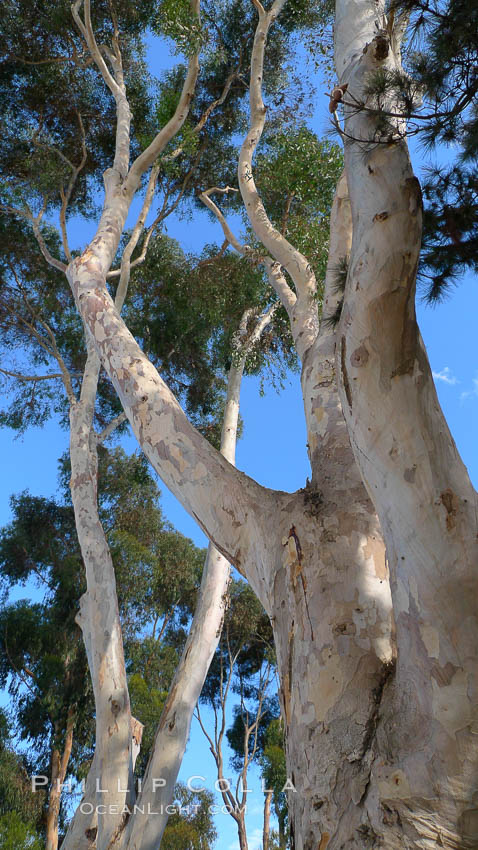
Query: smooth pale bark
{"type": "Point", "coordinates": [145, 832]}
{"type": "Point", "coordinates": [83, 828]}
{"type": "Point", "coordinates": [116, 746]}
{"type": "Point", "coordinates": [330, 599]}
{"type": "Point", "coordinates": [185, 461]}
{"type": "Point", "coordinates": [423, 790]}
{"type": "Point", "coordinates": [301, 306]}
{"type": "Point", "coordinates": [100, 620]}
{"type": "Point", "coordinates": [118, 735]}
{"type": "Point", "coordinates": [331, 614]}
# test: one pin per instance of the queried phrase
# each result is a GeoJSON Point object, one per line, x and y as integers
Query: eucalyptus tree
{"type": "Point", "coordinates": [190, 827]}
{"type": "Point", "coordinates": [21, 810]}
{"type": "Point", "coordinates": [42, 655]}
{"type": "Point", "coordinates": [41, 192]}
{"type": "Point", "coordinates": [379, 720]}
{"type": "Point", "coordinates": [42, 658]}
{"type": "Point", "coordinates": [274, 775]}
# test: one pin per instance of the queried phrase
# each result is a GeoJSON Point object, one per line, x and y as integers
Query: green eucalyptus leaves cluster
{"type": "Point", "coordinates": [177, 20]}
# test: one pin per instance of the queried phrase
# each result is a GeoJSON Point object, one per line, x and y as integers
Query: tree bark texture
{"type": "Point", "coordinates": [145, 832]}
{"type": "Point", "coordinates": [423, 788]}
{"type": "Point", "coordinates": [99, 618]}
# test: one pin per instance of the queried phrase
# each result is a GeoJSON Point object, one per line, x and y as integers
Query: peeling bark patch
{"type": "Point", "coordinates": [409, 474]}
{"type": "Point", "coordinates": [443, 675]}
{"type": "Point", "coordinates": [414, 194]}
{"type": "Point", "coordinates": [90, 834]}
{"type": "Point", "coordinates": [450, 503]}
{"type": "Point", "coordinates": [468, 826]}
{"type": "Point", "coordinates": [359, 357]}
{"type": "Point", "coordinates": [115, 707]}
{"type": "Point", "coordinates": [381, 216]}
{"type": "Point", "coordinates": [345, 629]}
{"type": "Point", "coordinates": [408, 342]}
{"type": "Point", "coordinates": [431, 639]}
{"type": "Point", "coordinates": [167, 706]}
{"type": "Point", "coordinates": [451, 704]}
{"type": "Point", "coordinates": [120, 829]}
{"type": "Point", "coordinates": [286, 691]}
{"type": "Point", "coordinates": [324, 841]}
{"type": "Point", "coordinates": [345, 377]}
{"type": "Point", "coordinates": [393, 785]}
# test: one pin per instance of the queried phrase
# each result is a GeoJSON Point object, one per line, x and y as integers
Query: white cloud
{"type": "Point", "coordinates": [254, 840]}
{"type": "Point", "coordinates": [472, 392]}
{"type": "Point", "coordinates": [446, 376]}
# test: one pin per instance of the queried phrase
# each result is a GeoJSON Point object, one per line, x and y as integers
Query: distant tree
{"type": "Point", "coordinates": [21, 810]}
{"type": "Point", "coordinates": [191, 826]}
{"type": "Point", "coordinates": [42, 656]}
{"type": "Point", "coordinates": [17, 835]}
{"type": "Point", "coordinates": [242, 666]}
{"type": "Point", "coordinates": [274, 774]}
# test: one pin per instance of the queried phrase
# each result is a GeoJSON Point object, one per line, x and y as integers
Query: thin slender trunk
{"type": "Point", "coordinates": [282, 831]}
{"type": "Point", "coordinates": [53, 803]}
{"type": "Point", "coordinates": [241, 831]}
{"type": "Point", "coordinates": [173, 730]}
{"type": "Point", "coordinates": [267, 820]}
{"type": "Point", "coordinates": [59, 766]}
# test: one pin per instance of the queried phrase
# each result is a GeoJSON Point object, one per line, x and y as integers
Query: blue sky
{"type": "Point", "coordinates": [273, 445]}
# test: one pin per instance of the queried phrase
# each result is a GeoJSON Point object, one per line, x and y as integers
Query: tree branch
{"type": "Point", "coordinates": [274, 272]}
{"type": "Point", "coordinates": [66, 196]}
{"type": "Point", "coordinates": [186, 462]}
{"type": "Point", "coordinates": [115, 84]}
{"type": "Point", "coordinates": [125, 269]}
{"type": "Point", "coordinates": [205, 116]}
{"type": "Point", "coordinates": [110, 428]}
{"type": "Point", "coordinates": [27, 214]}
{"type": "Point", "coordinates": [303, 314]}
{"type": "Point", "coordinates": [231, 239]}
{"type": "Point", "coordinates": [164, 136]}
{"type": "Point", "coordinates": [31, 377]}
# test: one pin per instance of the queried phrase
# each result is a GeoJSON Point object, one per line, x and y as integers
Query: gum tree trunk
{"type": "Point", "coordinates": [267, 821]}
{"type": "Point", "coordinates": [99, 618]}
{"type": "Point", "coordinates": [423, 786]}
